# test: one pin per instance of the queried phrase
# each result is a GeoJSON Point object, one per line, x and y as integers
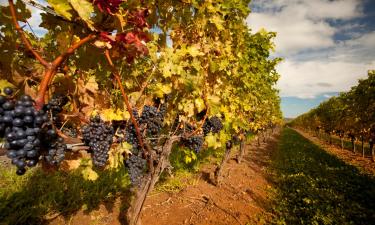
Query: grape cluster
{"type": "Point", "coordinates": [150, 123]}
{"type": "Point", "coordinates": [55, 106]}
{"type": "Point", "coordinates": [213, 125]}
{"type": "Point", "coordinates": [24, 130]}
{"type": "Point", "coordinates": [70, 131]}
{"type": "Point", "coordinates": [136, 165]}
{"type": "Point", "coordinates": [55, 145]}
{"type": "Point", "coordinates": [131, 134]}
{"type": "Point", "coordinates": [194, 143]}
{"type": "Point", "coordinates": [152, 119]}
{"type": "Point", "coordinates": [98, 136]}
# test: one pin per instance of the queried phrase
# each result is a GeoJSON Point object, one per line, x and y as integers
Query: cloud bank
{"type": "Point", "coordinates": [307, 39]}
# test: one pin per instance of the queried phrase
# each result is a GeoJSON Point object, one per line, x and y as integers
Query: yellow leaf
{"type": "Point", "coordinates": [4, 84]}
{"type": "Point", "coordinates": [116, 155]}
{"type": "Point", "coordinates": [162, 89]}
{"type": "Point", "coordinates": [212, 141]}
{"type": "Point", "coordinates": [194, 51]}
{"type": "Point", "coordinates": [89, 174]}
{"type": "Point", "coordinates": [199, 105]}
{"type": "Point", "coordinates": [112, 114]}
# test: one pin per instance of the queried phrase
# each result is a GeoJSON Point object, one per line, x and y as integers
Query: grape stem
{"type": "Point", "coordinates": [204, 120]}
{"type": "Point", "coordinates": [50, 67]}
{"type": "Point", "coordinates": [126, 100]}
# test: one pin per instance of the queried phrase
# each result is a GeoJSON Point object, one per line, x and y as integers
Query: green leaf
{"type": "Point", "coordinates": [62, 7]}
{"type": "Point", "coordinates": [85, 10]}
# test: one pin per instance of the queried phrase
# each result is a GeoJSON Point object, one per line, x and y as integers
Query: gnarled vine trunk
{"type": "Point", "coordinates": [140, 193]}
{"type": "Point", "coordinates": [242, 151]}
{"type": "Point", "coordinates": [219, 169]}
{"type": "Point", "coordinates": [363, 146]}
{"type": "Point", "coordinates": [342, 143]}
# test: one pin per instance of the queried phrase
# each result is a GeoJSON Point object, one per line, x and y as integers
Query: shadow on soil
{"type": "Point", "coordinates": [40, 196]}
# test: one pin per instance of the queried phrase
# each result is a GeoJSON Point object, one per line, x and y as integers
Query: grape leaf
{"type": "Point", "coordinates": [89, 174]}
{"type": "Point", "coordinates": [199, 105]}
{"type": "Point", "coordinates": [62, 7]}
{"type": "Point", "coordinates": [85, 10]}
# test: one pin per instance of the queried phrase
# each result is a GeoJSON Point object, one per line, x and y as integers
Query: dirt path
{"type": "Point", "coordinates": [364, 164]}
{"type": "Point", "coordinates": [243, 197]}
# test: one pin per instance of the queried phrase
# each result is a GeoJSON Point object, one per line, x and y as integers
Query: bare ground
{"type": "Point", "coordinates": [243, 197]}
{"type": "Point", "coordinates": [363, 163]}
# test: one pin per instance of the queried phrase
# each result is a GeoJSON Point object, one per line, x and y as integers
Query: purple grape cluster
{"type": "Point", "coordinates": [194, 143]}
{"type": "Point", "coordinates": [136, 166]}
{"type": "Point", "coordinates": [99, 137]}
{"type": "Point", "coordinates": [213, 125]}
{"type": "Point", "coordinates": [28, 133]}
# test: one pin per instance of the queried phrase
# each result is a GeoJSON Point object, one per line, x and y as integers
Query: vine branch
{"type": "Point", "coordinates": [126, 99]}
{"type": "Point", "coordinates": [50, 67]}
{"type": "Point", "coordinates": [23, 36]}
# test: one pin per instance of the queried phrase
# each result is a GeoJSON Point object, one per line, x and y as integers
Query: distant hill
{"type": "Point", "coordinates": [287, 120]}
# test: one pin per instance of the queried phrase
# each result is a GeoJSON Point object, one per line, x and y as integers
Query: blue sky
{"type": "Point", "coordinates": [326, 45]}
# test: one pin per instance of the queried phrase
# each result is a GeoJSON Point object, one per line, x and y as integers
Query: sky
{"type": "Point", "coordinates": [326, 46]}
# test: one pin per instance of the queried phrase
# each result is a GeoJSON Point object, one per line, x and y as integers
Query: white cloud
{"type": "Point", "coordinates": [293, 32]}
{"type": "Point", "coordinates": [314, 63]}
{"type": "Point", "coordinates": [301, 24]}
{"type": "Point", "coordinates": [306, 79]}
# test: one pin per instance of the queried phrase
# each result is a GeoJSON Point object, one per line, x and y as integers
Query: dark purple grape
{"type": "Point", "coordinates": [32, 162]}
{"type": "Point", "coordinates": [20, 171]}
{"type": "Point", "coordinates": [30, 131]}
{"type": "Point", "coordinates": [26, 98]}
{"type": "Point", "coordinates": [8, 91]}
{"type": "Point", "coordinates": [21, 163]}
{"type": "Point", "coordinates": [32, 154]}
{"type": "Point", "coordinates": [29, 111]}
{"type": "Point", "coordinates": [2, 99]}
{"type": "Point", "coordinates": [12, 154]}
{"type": "Point", "coordinates": [21, 153]}
{"type": "Point", "coordinates": [38, 120]}
{"type": "Point", "coordinates": [8, 105]}
{"type": "Point", "coordinates": [17, 122]}
{"type": "Point", "coordinates": [21, 134]}
{"type": "Point", "coordinates": [7, 119]}
{"type": "Point", "coordinates": [51, 133]}
{"type": "Point", "coordinates": [19, 110]}
{"type": "Point", "coordinates": [10, 136]}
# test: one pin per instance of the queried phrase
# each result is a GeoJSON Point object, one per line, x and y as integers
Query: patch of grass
{"type": "Point", "coordinates": [179, 180]}
{"type": "Point", "coordinates": [314, 187]}
{"type": "Point", "coordinates": [31, 198]}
